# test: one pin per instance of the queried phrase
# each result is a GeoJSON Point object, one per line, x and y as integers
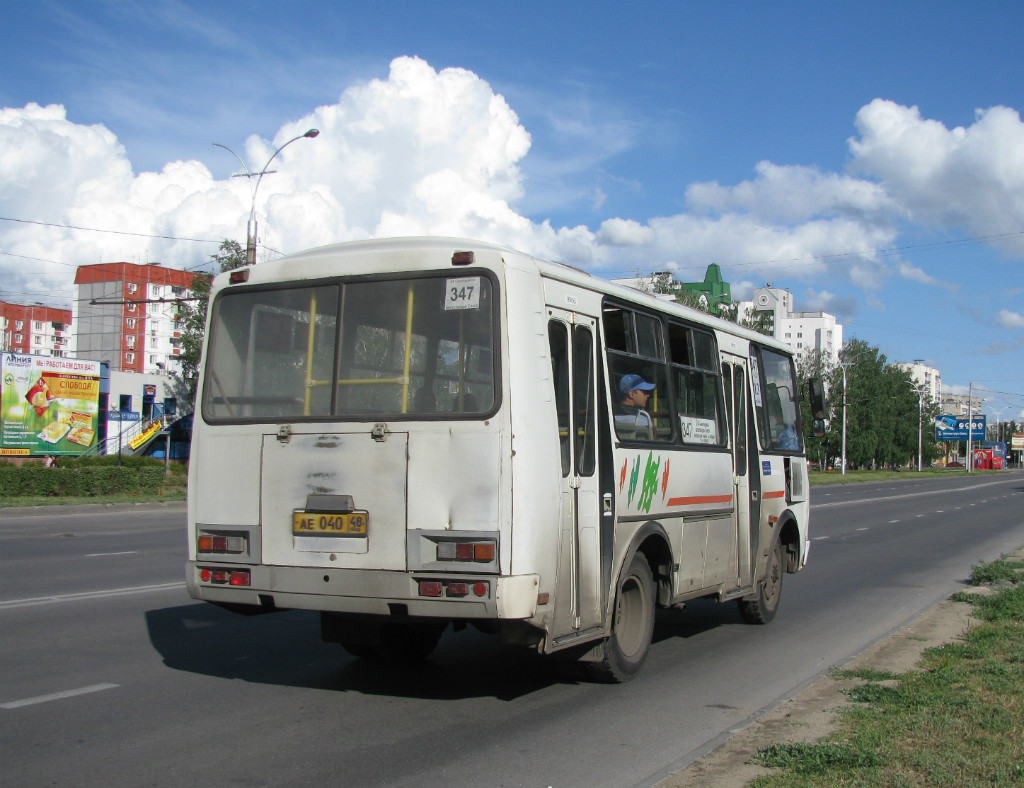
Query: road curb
{"type": "Point", "coordinates": [91, 508]}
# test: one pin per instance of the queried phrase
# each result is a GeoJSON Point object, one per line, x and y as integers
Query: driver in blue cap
{"type": "Point", "coordinates": [634, 392]}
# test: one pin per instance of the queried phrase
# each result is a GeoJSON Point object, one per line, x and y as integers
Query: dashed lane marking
{"type": "Point", "coordinates": [17, 704]}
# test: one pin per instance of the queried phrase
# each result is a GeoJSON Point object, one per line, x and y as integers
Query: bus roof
{"type": "Point", "coordinates": [516, 259]}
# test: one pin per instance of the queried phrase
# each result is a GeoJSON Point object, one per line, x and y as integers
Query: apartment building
{"type": "Point", "coordinates": [961, 405]}
{"type": "Point", "coordinates": [34, 329]}
{"type": "Point", "coordinates": [926, 378]}
{"type": "Point", "coordinates": [802, 331]}
{"type": "Point", "coordinates": [127, 315]}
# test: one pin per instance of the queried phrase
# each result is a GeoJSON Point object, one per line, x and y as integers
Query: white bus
{"type": "Point", "coordinates": [405, 434]}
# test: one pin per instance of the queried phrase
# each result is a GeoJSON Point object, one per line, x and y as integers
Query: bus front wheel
{"type": "Point", "coordinates": [762, 607]}
{"type": "Point", "coordinates": [632, 625]}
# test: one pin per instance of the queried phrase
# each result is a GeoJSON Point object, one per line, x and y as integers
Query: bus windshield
{"type": "Point", "coordinates": [414, 347]}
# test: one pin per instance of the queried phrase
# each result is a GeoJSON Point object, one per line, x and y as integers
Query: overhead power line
{"type": "Point", "coordinates": [114, 232]}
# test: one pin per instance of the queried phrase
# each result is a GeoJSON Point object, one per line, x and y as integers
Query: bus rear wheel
{"type": "Point", "coordinates": [632, 626]}
{"type": "Point", "coordinates": [398, 643]}
{"type": "Point", "coordinates": [406, 643]}
{"type": "Point", "coordinates": [763, 607]}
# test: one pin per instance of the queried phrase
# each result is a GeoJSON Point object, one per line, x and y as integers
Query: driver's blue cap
{"type": "Point", "coordinates": [631, 382]}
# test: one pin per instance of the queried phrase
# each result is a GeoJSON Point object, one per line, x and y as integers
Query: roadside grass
{"type": "Point", "coordinates": [852, 477]}
{"type": "Point", "coordinates": [957, 721]}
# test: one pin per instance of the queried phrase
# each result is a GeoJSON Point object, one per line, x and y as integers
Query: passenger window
{"type": "Point", "coordinates": [641, 398]}
{"type": "Point", "coordinates": [698, 398]}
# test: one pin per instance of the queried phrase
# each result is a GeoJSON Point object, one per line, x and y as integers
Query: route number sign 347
{"type": "Point", "coordinates": [462, 293]}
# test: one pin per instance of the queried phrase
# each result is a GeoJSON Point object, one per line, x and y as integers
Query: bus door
{"type": "Point", "coordinates": [746, 476]}
{"type": "Point", "coordinates": [572, 339]}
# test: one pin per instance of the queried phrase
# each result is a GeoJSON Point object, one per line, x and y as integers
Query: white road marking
{"type": "Point", "coordinates": [103, 555]}
{"type": "Point", "coordinates": [17, 704]}
{"type": "Point", "coordinates": [901, 496]}
{"type": "Point", "coordinates": [45, 600]}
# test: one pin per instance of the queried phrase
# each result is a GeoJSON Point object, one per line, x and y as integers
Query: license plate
{"type": "Point", "coordinates": [329, 524]}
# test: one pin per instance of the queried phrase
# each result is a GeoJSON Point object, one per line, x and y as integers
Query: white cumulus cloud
{"type": "Point", "coordinates": [962, 177]}
{"type": "Point", "coordinates": [1008, 319]}
{"type": "Point", "coordinates": [423, 151]}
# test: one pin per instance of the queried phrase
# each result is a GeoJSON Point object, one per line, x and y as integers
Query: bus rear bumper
{"type": "Point", "coordinates": [371, 592]}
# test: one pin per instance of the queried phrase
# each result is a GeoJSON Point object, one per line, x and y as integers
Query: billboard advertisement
{"type": "Point", "coordinates": [954, 428]}
{"type": "Point", "coordinates": [47, 405]}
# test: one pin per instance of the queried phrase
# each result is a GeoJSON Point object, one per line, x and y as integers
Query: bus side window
{"type": "Point", "coordinates": [778, 411]}
{"type": "Point", "coordinates": [558, 340]}
{"type": "Point", "coordinates": [696, 379]}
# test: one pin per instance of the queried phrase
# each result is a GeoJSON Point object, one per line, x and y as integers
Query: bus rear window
{"type": "Point", "coordinates": [370, 349]}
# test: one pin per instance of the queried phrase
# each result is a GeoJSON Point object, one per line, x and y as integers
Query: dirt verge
{"type": "Point", "coordinates": [811, 714]}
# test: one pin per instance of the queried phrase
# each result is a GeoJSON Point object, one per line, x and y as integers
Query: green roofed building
{"type": "Point", "coordinates": [712, 293]}
{"type": "Point", "coordinates": [713, 290]}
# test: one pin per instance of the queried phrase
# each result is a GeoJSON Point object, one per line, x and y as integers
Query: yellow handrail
{"type": "Point", "coordinates": [462, 365]}
{"type": "Point", "coordinates": [309, 353]}
{"type": "Point", "coordinates": [408, 351]}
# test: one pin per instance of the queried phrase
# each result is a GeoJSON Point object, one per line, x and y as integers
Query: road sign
{"type": "Point", "coordinates": [123, 415]}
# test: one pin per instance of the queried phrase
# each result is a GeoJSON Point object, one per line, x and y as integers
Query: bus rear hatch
{"type": "Point", "coordinates": [334, 500]}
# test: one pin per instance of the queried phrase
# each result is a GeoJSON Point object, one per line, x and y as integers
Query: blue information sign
{"type": "Point", "coordinates": [954, 428]}
{"type": "Point", "coordinates": [123, 415]}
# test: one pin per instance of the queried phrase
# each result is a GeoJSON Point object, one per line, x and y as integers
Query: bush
{"type": "Point", "coordinates": [83, 478]}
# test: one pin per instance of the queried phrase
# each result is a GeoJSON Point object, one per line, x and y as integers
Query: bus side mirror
{"type": "Point", "coordinates": [818, 428]}
{"type": "Point", "coordinates": [816, 394]}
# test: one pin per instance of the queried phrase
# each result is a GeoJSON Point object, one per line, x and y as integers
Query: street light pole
{"type": "Point", "coordinates": [250, 239]}
{"type": "Point", "coordinates": [846, 404]}
{"type": "Point", "coordinates": [999, 414]}
{"type": "Point", "coordinates": [920, 426]}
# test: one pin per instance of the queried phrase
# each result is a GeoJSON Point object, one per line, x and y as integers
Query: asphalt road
{"type": "Point", "coordinates": [109, 673]}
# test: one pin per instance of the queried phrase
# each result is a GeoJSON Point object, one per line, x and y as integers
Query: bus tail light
{"type": "Point", "coordinates": [431, 588]}
{"type": "Point", "coordinates": [465, 551]}
{"type": "Point", "coordinates": [453, 588]}
{"type": "Point", "coordinates": [208, 543]}
{"type": "Point", "coordinates": [233, 577]}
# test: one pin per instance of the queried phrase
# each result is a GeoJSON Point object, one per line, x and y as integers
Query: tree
{"type": "Point", "coordinates": [761, 322]}
{"type": "Point", "coordinates": [881, 406]}
{"type": "Point", "coordinates": [230, 255]}
{"type": "Point", "coordinates": [664, 283]}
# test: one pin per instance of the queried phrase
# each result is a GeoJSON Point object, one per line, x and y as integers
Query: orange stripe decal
{"type": "Point", "coordinates": [775, 494]}
{"type": "Point", "coordinates": [697, 499]}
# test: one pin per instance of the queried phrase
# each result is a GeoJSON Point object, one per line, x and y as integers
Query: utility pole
{"type": "Point", "coordinates": [970, 424]}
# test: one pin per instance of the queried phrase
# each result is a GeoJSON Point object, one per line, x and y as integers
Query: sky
{"type": "Point", "coordinates": [867, 156]}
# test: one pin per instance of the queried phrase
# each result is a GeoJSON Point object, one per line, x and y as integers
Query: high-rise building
{"type": "Point", "coordinates": [961, 404]}
{"type": "Point", "coordinates": [128, 315]}
{"type": "Point", "coordinates": [927, 378]}
{"type": "Point", "coordinates": [802, 331]}
{"type": "Point", "coordinates": [34, 329]}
